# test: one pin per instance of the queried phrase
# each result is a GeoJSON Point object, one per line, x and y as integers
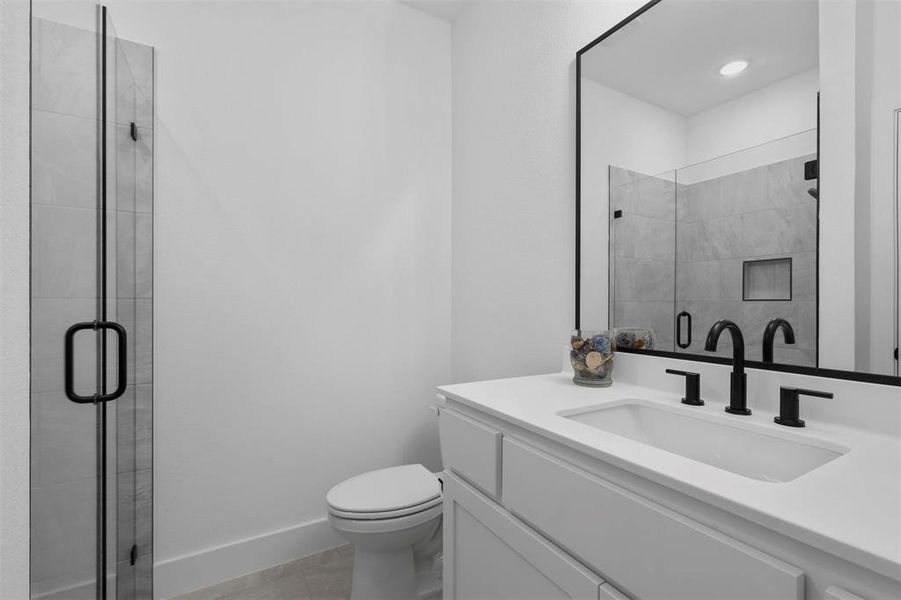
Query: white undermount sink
{"type": "Point", "coordinates": [740, 449]}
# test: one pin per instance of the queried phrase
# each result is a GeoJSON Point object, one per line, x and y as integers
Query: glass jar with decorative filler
{"type": "Point", "coordinates": [636, 338]}
{"type": "Point", "coordinates": [591, 355]}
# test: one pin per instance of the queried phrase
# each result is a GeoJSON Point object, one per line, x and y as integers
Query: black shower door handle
{"type": "Point", "coordinates": [679, 329]}
{"type": "Point", "coordinates": [70, 361]}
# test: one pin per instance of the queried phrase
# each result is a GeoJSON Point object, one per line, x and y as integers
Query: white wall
{"type": "Point", "coordinates": [14, 298]}
{"type": "Point", "coordinates": [758, 128]}
{"type": "Point", "coordinates": [514, 165]}
{"type": "Point", "coordinates": [782, 109]}
{"type": "Point", "coordinates": [775, 123]}
{"type": "Point", "coordinates": [302, 266]}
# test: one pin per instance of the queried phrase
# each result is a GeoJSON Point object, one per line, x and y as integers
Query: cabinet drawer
{"type": "Point", "coordinates": [490, 555]}
{"type": "Point", "coordinates": [472, 450]}
{"type": "Point", "coordinates": [649, 551]}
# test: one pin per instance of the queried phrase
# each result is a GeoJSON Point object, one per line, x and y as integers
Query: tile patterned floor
{"type": "Point", "coordinates": [324, 576]}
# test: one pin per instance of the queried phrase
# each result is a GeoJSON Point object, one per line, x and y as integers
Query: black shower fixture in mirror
{"type": "Point", "coordinates": [713, 183]}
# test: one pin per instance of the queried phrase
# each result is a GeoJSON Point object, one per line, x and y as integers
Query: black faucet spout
{"type": "Point", "coordinates": [738, 392]}
{"type": "Point", "coordinates": [769, 336]}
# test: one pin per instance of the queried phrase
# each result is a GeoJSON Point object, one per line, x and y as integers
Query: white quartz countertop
{"type": "Point", "coordinates": [849, 507]}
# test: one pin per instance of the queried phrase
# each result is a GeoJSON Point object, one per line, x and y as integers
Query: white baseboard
{"type": "Point", "coordinates": [182, 574]}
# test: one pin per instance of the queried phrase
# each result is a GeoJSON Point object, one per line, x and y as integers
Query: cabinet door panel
{"type": "Point", "coordinates": [489, 555]}
{"type": "Point", "coordinates": [649, 551]}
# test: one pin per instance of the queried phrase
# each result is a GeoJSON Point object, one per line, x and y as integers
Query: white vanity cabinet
{"type": "Point", "coordinates": [489, 554]}
{"type": "Point", "coordinates": [525, 517]}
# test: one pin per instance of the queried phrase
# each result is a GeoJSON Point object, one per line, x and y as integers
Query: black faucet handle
{"type": "Point", "coordinates": [684, 373]}
{"type": "Point", "coordinates": [789, 402]}
{"type": "Point", "coordinates": [692, 387]}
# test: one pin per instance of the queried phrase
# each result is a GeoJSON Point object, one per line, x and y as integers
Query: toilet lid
{"type": "Point", "coordinates": [385, 490]}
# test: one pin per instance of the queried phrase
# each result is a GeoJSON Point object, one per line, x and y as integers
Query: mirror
{"type": "Point", "coordinates": [739, 160]}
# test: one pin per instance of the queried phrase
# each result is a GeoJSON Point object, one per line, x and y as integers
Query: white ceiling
{"type": "Point", "coordinates": [448, 10]}
{"type": "Point", "coordinates": [671, 57]}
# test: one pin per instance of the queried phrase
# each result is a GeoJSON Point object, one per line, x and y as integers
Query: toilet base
{"type": "Point", "coordinates": [383, 574]}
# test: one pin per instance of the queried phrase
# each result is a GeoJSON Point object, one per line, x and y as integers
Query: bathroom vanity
{"type": "Point", "coordinates": [702, 132]}
{"type": "Point", "coordinates": [557, 491]}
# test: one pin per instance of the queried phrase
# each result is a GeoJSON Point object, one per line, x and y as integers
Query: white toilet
{"type": "Point", "coordinates": [384, 514]}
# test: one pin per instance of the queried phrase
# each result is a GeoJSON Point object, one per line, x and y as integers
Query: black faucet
{"type": "Point", "coordinates": [738, 392]}
{"type": "Point", "coordinates": [769, 336]}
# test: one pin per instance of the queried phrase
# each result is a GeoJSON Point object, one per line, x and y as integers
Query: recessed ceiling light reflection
{"type": "Point", "coordinates": [733, 68]}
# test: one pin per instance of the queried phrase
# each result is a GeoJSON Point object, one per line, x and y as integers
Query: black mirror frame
{"type": "Point", "coordinates": [815, 371]}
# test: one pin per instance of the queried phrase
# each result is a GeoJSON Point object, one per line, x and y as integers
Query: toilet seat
{"type": "Point", "coordinates": [388, 514]}
{"type": "Point", "coordinates": [385, 494]}
{"type": "Point", "coordinates": [387, 525]}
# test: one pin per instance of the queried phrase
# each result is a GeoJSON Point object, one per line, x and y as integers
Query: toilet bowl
{"type": "Point", "coordinates": [384, 514]}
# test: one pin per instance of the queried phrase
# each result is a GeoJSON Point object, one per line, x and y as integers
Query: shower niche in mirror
{"type": "Point", "coordinates": [718, 179]}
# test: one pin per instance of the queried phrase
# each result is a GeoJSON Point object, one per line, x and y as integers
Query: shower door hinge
{"type": "Point", "coordinates": [811, 170]}
{"type": "Point", "coordinates": [133, 555]}
{"type": "Point", "coordinates": [133, 129]}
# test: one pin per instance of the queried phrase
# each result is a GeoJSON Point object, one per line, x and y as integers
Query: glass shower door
{"type": "Point", "coordinates": [65, 290]}
{"type": "Point", "coordinates": [642, 255]}
{"type": "Point", "coordinates": [87, 422]}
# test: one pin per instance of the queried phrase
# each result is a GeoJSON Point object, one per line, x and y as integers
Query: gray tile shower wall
{"type": "Point", "coordinates": [760, 213]}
